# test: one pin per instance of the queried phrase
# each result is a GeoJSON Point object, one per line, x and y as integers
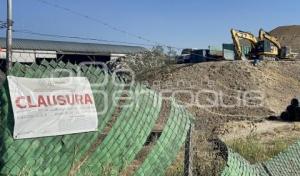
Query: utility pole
{"type": "Point", "coordinates": [9, 36]}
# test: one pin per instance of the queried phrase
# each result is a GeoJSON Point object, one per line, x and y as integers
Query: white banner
{"type": "Point", "coordinates": [52, 106]}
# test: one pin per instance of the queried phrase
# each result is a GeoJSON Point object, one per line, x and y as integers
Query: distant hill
{"type": "Point", "coordinates": [288, 36]}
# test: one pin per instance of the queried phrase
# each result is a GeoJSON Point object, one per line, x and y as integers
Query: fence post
{"type": "Point", "coordinates": [188, 155]}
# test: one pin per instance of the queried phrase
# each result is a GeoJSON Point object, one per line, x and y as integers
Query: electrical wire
{"type": "Point", "coordinates": [2, 24]}
{"type": "Point", "coordinates": [106, 24]}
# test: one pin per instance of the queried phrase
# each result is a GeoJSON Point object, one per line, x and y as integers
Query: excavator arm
{"type": "Point", "coordinates": [280, 51]}
{"type": "Point", "coordinates": [265, 35]}
{"type": "Point", "coordinates": [236, 36]}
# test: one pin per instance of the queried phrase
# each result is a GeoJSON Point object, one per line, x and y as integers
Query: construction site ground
{"type": "Point", "coordinates": [276, 83]}
{"type": "Point", "coordinates": [229, 99]}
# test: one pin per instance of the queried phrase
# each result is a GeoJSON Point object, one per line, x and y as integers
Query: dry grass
{"type": "Point", "coordinates": [255, 150]}
{"type": "Point", "coordinates": [177, 168]}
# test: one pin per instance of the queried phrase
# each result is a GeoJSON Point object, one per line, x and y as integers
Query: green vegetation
{"type": "Point", "coordinates": [253, 149]}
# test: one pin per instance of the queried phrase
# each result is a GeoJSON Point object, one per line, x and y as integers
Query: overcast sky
{"type": "Point", "coordinates": [189, 23]}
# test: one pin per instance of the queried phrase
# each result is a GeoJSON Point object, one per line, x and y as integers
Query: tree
{"type": "Point", "coordinates": [172, 53]}
{"type": "Point", "coordinates": [159, 50]}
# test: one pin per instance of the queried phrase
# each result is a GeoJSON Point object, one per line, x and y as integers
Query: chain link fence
{"type": "Point", "coordinates": [115, 149]}
{"type": "Point", "coordinates": [286, 163]}
{"type": "Point", "coordinates": [139, 133]}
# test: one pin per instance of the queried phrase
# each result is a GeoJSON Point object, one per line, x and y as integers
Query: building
{"type": "Point", "coordinates": [229, 53]}
{"type": "Point", "coordinates": [29, 51]}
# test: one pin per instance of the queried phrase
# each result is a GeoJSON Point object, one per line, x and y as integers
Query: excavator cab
{"type": "Point", "coordinates": [266, 48]}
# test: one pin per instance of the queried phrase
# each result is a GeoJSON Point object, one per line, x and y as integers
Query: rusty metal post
{"type": "Point", "coordinates": [188, 155]}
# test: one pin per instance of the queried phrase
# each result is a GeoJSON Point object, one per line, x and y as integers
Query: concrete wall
{"type": "Point", "coordinates": [28, 56]}
{"type": "Point", "coordinates": [116, 56]}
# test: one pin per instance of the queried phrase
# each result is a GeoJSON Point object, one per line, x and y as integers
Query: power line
{"type": "Point", "coordinates": [112, 27]}
{"type": "Point", "coordinates": [3, 24]}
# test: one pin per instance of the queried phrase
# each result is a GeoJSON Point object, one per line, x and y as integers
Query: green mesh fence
{"type": "Point", "coordinates": [105, 152]}
{"type": "Point", "coordinates": [168, 144]}
{"type": "Point", "coordinates": [287, 163]}
{"type": "Point", "coordinates": [51, 155]}
{"type": "Point", "coordinates": [129, 133]}
{"type": "Point", "coordinates": [237, 165]}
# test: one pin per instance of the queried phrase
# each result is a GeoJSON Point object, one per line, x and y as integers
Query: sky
{"type": "Point", "coordinates": [177, 23]}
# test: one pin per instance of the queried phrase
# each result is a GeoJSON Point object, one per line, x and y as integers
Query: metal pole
{"type": "Point", "coordinates": [9, 36]}
{"type": "Point", "coordinates": [188, 155]}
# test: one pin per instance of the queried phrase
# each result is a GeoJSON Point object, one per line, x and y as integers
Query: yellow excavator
{"type": "Point", "coordinates": [270, 47]}
{"type": "Point", "coordinates": [265, 46]}
{"type": "Point", "coordinates": [237, 35]}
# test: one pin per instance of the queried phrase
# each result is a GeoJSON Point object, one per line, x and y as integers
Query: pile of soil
{"type": "Point", "coordinates": [289, 36]}
{"type": "Point", "coordinates": [268, 87]}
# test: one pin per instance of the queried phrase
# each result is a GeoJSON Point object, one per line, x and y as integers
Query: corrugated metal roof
{"type": "Point", "coordinates": [72, 47]}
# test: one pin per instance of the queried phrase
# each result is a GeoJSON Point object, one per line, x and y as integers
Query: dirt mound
{"type": "Point", "coordinates": [267, 130]}
{"type": "Point", "coordinates": [288, 36]}
{"type": "Point", "coordinates": [221, 93]}
{"type": "Point", "coordinates": [225, 91]}
{"type": "Point", "coordinates": [226, 97]}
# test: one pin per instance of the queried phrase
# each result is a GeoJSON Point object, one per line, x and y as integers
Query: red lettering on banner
{"type": "Point", "coordinates": [61, 100]}
{"type": "Point", "coordinates": [88, 99]}
{"type": "Point", "coordinates": [49, 101]}
{"type": "Point", "coordinates": [79, 99]}
{"type": "Point", "coordinates": [70, 102]}
{"type": "Point", "coordinates": [41, 101]}
{"type": "Point", "coordinates": [30, 103]}
{"type": "Point", "coordinates": [54, 100]}
{"type": "Point", "coordinates": [18, 104]}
